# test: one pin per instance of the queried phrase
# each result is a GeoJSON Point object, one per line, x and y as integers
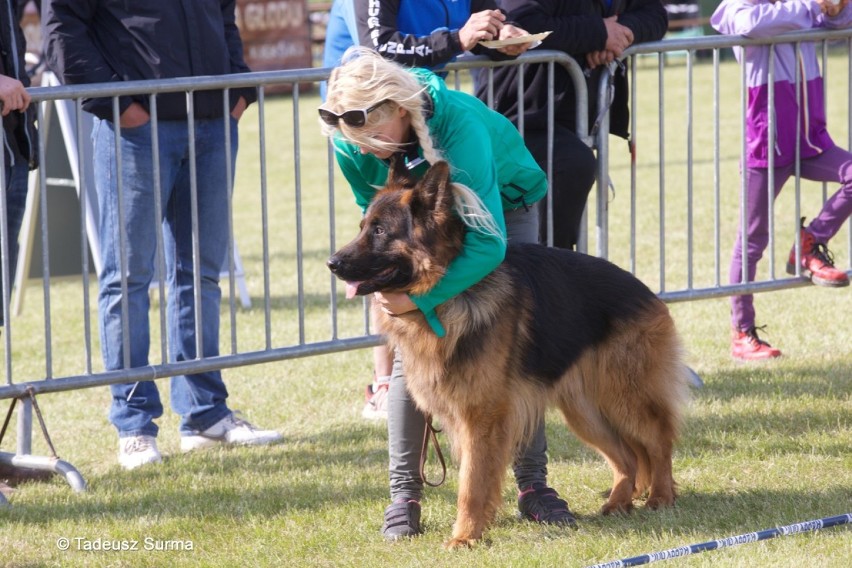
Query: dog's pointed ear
{"type": "Point", "coordinates": [434, 190]}
{"type": "Point", "coordinates": [398, 174]}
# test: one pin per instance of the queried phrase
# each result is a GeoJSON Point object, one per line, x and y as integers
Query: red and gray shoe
{"type": "Point", "coordinates": [376, 402]}
{"type": "Point", "coordinates": [747, 346]}
{"type": "Point", "coordinates": [817, 262]}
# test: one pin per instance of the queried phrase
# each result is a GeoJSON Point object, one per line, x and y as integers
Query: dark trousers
{"type": "Point", "coordinates": [17, 186]}
{"type": "Point", "coordinates": [574, 166]}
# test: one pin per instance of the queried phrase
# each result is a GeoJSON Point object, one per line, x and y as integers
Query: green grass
{"type": "Point", "coordinates": [764, 444]}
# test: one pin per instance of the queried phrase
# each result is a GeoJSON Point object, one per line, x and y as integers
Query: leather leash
{"type": "Point", "coordinates": [431, 432]}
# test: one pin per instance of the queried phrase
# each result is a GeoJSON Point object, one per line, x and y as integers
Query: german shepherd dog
{"type": "Point", "coordinates": [548, 327]}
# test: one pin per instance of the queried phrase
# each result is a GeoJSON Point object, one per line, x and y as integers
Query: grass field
{"type": "Point", "coordinates": [764, 444]}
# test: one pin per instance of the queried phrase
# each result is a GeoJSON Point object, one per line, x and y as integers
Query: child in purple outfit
{"type": "Point", "coordinates": [821, 159]}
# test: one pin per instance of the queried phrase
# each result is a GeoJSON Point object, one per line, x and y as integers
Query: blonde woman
{"type": "Point", "coordinates": [377, 109]}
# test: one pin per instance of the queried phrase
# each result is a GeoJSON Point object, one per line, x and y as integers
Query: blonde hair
{"type": "Point", "coordinates": [364, 79]}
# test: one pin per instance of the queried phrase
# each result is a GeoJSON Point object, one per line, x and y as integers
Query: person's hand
{"type": "Point", "coordinates": [133, 116]}
{"type": "Point", "coordinates": [484, 25]}
{"type": "Point", "coordinates": [13, 95]}
{"type": "Point", "coordinates": [239, 108]}
{"type": "Point", "coordinates": [602, 57]}
{"type": "Point", "coordinates": [509, 31]}
{"type": "Point", "coordinates": [394, 303]}
{"type": "Point", "coordinates": [832, 8]}
{"type": "Point", "coordinates": [618, 37]}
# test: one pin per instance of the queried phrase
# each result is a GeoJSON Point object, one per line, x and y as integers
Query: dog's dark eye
{"type": "Point", "coordinates": [378, 230]}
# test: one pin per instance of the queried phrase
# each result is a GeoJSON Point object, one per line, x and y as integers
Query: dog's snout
{"type": "Point", "coordinates": [333, 263]}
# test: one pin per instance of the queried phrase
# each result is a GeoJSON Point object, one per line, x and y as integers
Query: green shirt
{"type": "Point", "coordinates": [486, 153]}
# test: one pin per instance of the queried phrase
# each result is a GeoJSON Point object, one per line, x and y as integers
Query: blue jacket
{"type": "Point", "coordinates": [340, 34]}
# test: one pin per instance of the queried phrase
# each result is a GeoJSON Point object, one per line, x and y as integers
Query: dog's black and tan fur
{"type": "Point", "coordinates": [548, 327]}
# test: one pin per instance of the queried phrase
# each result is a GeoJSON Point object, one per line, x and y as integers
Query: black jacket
{"type": "Point", "coordinates": [578, 29]}
{"type": "Point", "coordinates": [21, 142]}
{"type": "Point", "coordinates": [99, 41]}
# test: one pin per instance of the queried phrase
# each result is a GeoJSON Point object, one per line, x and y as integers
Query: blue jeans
{"type": "Point", "coordinates": [17, 186]}
{"type": "Point", "coordinates": [200, 398]}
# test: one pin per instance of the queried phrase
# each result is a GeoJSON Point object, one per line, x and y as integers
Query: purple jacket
{"type": "Point", "coordinates": [764, 18]}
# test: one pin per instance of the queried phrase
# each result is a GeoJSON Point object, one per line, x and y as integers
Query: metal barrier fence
{"type": "Point", "coordinates": [284, 246]}
{"type": "Point", "coordinates": [291, 319]}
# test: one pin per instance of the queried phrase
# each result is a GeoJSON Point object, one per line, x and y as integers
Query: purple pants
{"type": "Point", "coordinates": [833, 165]}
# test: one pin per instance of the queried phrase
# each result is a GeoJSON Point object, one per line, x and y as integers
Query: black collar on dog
{"type": "Point", "coordinates": [409, 155]}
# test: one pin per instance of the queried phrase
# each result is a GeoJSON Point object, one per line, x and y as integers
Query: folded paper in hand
{"type": "Point", "coordinates": [494, 44]}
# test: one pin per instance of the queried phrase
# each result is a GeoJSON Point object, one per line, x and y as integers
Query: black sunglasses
{"type": "Point", "coordinates": [355, 118]}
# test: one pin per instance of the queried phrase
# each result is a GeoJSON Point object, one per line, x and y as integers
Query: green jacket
{"type": "Point", "coordinates": [485, 153]}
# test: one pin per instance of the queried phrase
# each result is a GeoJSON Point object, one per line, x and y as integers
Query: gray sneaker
{"type": "Point", "coordinates": [230, 430]}
{"type": "Point", "coordinates": [135, 451]}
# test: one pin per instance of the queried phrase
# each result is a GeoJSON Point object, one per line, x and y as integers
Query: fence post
{"type": "Point", "coordinates": [601, 137]}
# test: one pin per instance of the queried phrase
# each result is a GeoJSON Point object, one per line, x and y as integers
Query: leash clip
{"type": "Point", "coordinates": [414, 163]}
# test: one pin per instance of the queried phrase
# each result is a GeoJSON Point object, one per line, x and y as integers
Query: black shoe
{"type": "Point", "coordinates": [402, 520]}
{"type": "Point", "coordinates": [542, 504]}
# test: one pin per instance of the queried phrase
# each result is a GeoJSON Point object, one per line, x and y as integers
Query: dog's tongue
{"type": "Point", "coordinates": [352, 289]}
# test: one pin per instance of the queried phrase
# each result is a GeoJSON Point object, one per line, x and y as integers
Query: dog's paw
{"type": "Point", "coordinates": [655, 502]}
{"type": "Point", "coordinates": [616, 508]}
{"type": "Point", "coordinates": [456, 543]}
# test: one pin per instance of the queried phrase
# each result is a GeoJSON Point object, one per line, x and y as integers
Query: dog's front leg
{"type": "Point", "coordinates": [484, 453]}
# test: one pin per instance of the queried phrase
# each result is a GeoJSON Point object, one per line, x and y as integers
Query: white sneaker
{"type": "Point", "coordinates": [134, 451]}
{"type": "Point", "coordinates": [229, 430]}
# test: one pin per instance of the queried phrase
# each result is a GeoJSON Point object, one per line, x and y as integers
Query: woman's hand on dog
{"type": "Point", "coordinates": [394, 303]}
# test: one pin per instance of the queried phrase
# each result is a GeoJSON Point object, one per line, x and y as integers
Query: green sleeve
{"type": "Point", "coordinates": [472, 164]}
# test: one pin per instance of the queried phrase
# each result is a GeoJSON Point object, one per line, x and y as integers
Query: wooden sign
{"type": "Point", "coordinates": [275, 34]}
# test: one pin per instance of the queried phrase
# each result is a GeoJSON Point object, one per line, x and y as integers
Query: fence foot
{"type": "Point", "coordinates": [72, 476]}
{"type": "Point", "coordinates": [22, 464]}
{"type": "Point", "coordinates": [28, 466]}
